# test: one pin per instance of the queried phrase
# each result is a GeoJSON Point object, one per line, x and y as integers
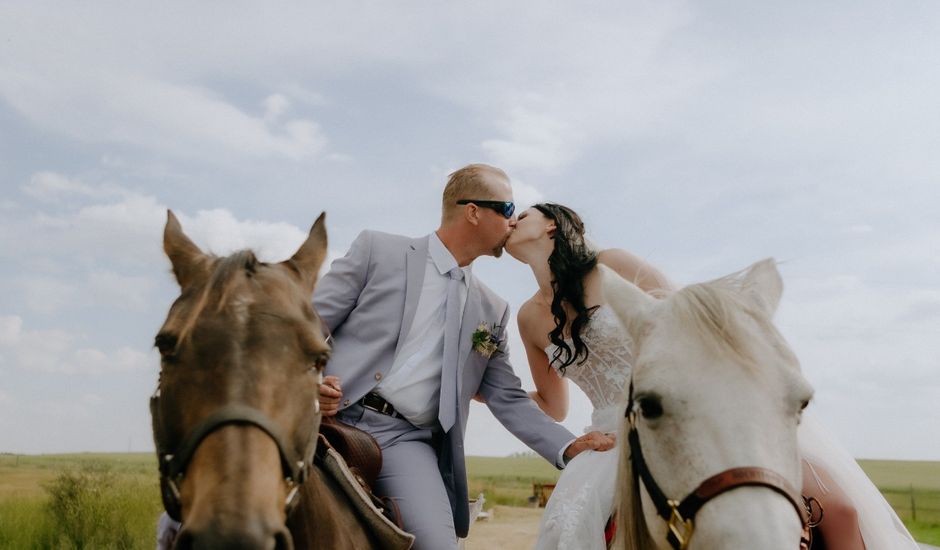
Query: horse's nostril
{"type": "Point", "coordinates": [283, 540]}
{"type": "Point", "coordinates": [184, 541]}
{"type": "Point", "coordinates": [254, 537]}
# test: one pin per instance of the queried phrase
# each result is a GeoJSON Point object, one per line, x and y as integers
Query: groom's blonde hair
{"type": "Point", "coordinates": [467, 183]}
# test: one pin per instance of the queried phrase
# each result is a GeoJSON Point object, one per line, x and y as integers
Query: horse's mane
{"type": "Point", "coordinates": [718, 312]}
{"type": "Point", "coordinates": [218, 289]}
{"type": "Point", "coordinates": [632, 532]}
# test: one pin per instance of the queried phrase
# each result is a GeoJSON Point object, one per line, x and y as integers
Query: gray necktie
{"type": "Point", "coordinates": [448, 404]}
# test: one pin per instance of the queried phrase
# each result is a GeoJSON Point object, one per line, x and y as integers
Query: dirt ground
{"type": "Point", "coordinates": [507, 528]}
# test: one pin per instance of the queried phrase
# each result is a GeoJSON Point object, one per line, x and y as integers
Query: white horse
{"type": "Point", "coordinates": [716, 397]}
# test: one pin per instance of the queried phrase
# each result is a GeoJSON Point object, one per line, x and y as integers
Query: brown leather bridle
{"type": "Point", "coordinates": [680, 516]}
{"type": "Point", "coordinates": [173, 459]}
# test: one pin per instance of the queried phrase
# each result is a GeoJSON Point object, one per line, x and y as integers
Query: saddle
{"type": "Point", "coordinates": [359, 449]}
{"type": "Point", "coordinates": [363, 457]}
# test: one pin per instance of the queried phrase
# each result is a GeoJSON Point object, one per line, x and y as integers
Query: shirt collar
{"type": "Point", "coordinates": [443, 260]}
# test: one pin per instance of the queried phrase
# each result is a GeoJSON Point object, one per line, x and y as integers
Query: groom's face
{"type": "Point", "coordinates": [494, 227]}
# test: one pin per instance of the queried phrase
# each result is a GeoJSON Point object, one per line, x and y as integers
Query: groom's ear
{"type": "Point", "coordinates": [472, 214]}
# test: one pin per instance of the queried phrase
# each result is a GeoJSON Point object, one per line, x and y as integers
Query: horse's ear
{"type": "Point", "coordinates": [627, 300]}
{"type": "Point", "coordinates": [188, 261]}
{"type": "Point", "coordinates": [763, 285]}
{"type": "Point", "coordinates": [309, 257]}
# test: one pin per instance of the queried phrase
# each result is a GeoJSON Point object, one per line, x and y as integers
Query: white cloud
{"type": "Point", "coordinates": [11, 327]}
{"type": "Point", "coordinates": [525, 195]}
{"type": "Point", "coordinates": [51, 187]}
{"type": "Point", "coordinates": [136, 222]}
{"type": "Point", "coordinates": [56, 351]}
{"type": "Point", "coordinates": [859, 229]}
{"type": "Point", "coordinates": [275, 105]}
{"type": "Point", "coordinates": [93, 361]}
{"type": "Point", "coordinates": [47, 295]}
{"type": "Point", "coordinates": [179, 119]}
{"type": "Point", "coordinates": [534, 140]}
{"type": "Point", "coordinates": [106, 287]}
{"type": "Point", "coordinates": [218, 231]}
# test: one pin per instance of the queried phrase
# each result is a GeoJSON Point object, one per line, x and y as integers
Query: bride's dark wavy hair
{"type": "Point", "coordinates": [571, 260]}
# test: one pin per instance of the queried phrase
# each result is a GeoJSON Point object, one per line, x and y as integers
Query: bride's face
{"type": "Point", "coordinates": [532, 232]}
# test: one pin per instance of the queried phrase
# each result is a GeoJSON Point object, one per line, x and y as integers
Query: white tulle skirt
{"type": "Point", "coordinates": [880, 527]}
{"type": "Point", "coordinates": [583, 498]}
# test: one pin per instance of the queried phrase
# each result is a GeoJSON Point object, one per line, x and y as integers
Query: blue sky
{"type": "Point", "coordinates": [701, 136]}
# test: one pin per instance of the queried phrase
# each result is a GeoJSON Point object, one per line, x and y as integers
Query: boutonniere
{"type": "Point", "coordinates": [485, 341]}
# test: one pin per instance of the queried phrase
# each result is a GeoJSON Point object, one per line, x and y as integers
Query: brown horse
{"type": "Point", "coordinates": [236, 414]}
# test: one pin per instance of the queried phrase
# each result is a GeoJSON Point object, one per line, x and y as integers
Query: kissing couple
{"type": "Point", "coordinates": [416, 336]}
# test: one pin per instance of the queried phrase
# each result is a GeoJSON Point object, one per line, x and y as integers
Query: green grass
{"type": "Point", "coordinates": [922, 475]}
{"type": "Point", "coordinates": [97, 501]}
{"type": "Point", "coordinates": [112, 501]}
{"type": "Point", "coordinates": [507, 481]}
{"type": "Point", "coordinates": [913, 489]}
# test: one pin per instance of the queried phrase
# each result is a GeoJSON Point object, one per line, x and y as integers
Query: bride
{"type": "Point", "coordinates": [568, 333]}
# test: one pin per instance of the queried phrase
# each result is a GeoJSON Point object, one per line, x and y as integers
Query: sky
{"type": "Point", "coordinates": [701, 136]}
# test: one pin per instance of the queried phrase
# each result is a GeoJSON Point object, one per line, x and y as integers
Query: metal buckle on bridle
{"type": "Point", "coordinates": [680, 527]}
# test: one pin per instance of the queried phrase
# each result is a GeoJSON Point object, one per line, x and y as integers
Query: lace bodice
{"type": "Point", "coordinates": [583, 498]}
{"type": "Point", "coordinates": [604, 376]}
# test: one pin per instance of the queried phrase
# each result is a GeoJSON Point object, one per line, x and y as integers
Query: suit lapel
{"type": "Point", "coordinates": [416, 258]}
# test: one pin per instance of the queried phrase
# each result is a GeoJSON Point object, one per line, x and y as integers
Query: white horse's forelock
{"type": "Point", "coordinates": [717, 312]}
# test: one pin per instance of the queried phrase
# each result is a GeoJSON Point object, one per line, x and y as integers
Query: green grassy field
{"type": "Point", "coordinates": [112, 500]}
{"type": "Point", "coordinates": [913, 490]}
{"type": "Point", "coordinates": [77, 501]}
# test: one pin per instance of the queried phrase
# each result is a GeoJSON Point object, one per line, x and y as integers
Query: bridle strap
{"type": "Point", "coordinates": [742, 477]}
{"type": "Point", "coordinates": [238, 415]}
{"type": "Point", "coordinates": [642, 472]}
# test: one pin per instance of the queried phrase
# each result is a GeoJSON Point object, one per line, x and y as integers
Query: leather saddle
{"type": "Point", "coordinates": [363, 458]}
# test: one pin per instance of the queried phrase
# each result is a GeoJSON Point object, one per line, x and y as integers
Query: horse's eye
{"type": "Point", "coordinates": [166, 344]}
{"type": "Point", "coordinates": [803, 405]}
{"type": "Point", "coordinates": [651, 406]}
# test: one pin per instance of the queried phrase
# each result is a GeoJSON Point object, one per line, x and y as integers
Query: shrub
{"type": "Point", "coordinates": [92, 507]}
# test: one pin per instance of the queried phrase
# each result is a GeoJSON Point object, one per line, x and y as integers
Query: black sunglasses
{"type": "Point", "coordinates": [506, 208]}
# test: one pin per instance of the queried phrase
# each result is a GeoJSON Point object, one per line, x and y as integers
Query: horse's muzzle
{"type": "Point", "coordinates": [257, 537]}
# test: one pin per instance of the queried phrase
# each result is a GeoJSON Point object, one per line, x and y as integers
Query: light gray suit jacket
{"type": "Point", "coordinates": [368, 300]}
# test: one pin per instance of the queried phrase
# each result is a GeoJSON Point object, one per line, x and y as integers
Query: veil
{"type": "Point", "coordinates": [880, 526]}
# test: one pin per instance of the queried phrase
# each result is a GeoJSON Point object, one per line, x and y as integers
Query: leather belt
{"type": "Point", "coordinates": [377, 403]}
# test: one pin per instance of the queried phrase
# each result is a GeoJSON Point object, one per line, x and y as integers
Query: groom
{"type": "Point", "coordinates": [415, 337]}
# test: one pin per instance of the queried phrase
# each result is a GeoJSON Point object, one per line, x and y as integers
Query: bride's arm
{"type": "Point", "coordinates": [839, 528]}
{"type": "Point", "coordinates": [551, 391]}
{"type": "Point", "coordinates": [636, 270]}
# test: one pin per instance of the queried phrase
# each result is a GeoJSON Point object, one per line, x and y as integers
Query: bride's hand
{"type": "Point", "coordinates": [595, 441]}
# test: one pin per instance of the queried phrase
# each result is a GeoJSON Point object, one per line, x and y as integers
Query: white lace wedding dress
{"type": "Point", "coordinates": [583, 498]}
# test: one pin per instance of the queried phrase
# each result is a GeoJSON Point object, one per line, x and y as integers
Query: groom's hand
{"type": "Point", "coordinates": [594, 441]}
{"type": "Point", "coordinates": [330, 395]}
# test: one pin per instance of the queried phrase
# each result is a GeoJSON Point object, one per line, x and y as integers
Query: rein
{"type": "Point", "coordinates": [680, 516]}
{"type": "Point", "coordinates": [173, 461]}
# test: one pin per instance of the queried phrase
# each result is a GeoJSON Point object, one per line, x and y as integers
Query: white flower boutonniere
{"type": "Point", "coordinates": [485, 341]}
